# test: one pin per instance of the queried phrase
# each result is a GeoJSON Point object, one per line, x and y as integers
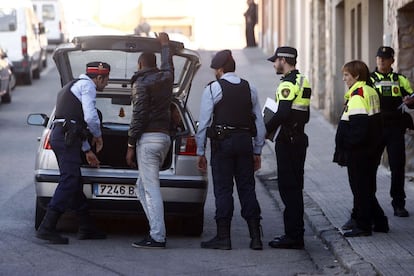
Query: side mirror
{"type": "Point", "coordinates": [37, 119]}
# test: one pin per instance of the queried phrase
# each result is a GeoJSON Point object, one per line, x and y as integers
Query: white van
{"type": "Point", "coordinates": [50, 12]}
{"type": "Point", "coordinates": [20, 36]}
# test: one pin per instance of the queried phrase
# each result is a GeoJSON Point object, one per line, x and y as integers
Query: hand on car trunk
{"type": "Point", "coordinates": [92, 159]}
{"type": "Point", "coordinates": [98, 142]}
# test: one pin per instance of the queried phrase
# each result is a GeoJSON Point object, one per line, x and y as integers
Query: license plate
{"type": "Point", "coordinates": [114, 190]}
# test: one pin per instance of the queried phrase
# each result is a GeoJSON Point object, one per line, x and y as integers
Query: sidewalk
{"type": "Point", "coordinates": [328, 198]}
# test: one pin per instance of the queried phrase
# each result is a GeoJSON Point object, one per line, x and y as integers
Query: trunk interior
{"type": "Point", "coordinates": [115, 147]}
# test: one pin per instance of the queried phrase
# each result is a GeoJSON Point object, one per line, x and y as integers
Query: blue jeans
{"type": "Point", "coordinates": [152, 149]}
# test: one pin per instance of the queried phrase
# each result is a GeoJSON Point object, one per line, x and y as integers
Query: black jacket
{"type": "Point", "coordinates": [151, 98]}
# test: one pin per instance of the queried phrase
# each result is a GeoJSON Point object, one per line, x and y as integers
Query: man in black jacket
{"type": "Point", "coordinates": [149, 135]}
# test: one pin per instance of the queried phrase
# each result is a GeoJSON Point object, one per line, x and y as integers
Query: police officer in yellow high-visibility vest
{"type": "Point", "coordinates": [357, 141]}
{"type": "Point", "coordinates": [293, 98]}
{"type": "Point", "coordinates": [392, 88]}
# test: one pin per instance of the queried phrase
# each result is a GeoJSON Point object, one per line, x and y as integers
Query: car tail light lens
{"type": "Point", "coordinates": [24, 45]}
{"type": "Point", "coordinates": [188, 146]}
{"type": "Point", "coordinates": [46, 144]}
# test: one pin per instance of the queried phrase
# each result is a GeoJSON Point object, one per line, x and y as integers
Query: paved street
{"type": "Point", "coordinates": [328, 198]}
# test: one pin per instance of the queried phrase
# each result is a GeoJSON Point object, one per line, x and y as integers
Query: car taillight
{"type": "Point", "coordinates": [188, 146]}
{"type": "Point", "coordinates": [24, 45]}
{"type": "Point", "coordinates": [46, 144]}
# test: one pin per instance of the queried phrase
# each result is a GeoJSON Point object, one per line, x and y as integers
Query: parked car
{"type": "Point", "coordinates": [51, 12]}
{"type": "Point", "coordinates": [20, 36]}
{"type": "Point", "coordinates": [110, 188]}
{"type": "Point", "coordinates": [7, 78]}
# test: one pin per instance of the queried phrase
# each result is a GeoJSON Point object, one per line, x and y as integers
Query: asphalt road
{"type": "Point", "coordinates": [22, 254]}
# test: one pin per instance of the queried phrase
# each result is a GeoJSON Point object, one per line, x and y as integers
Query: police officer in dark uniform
{"type": "Point", "coordinates": [392, 89]}
{"type": "Point", "coordinates": [75, 117]}
{"type": "Point", "coordinates": [230, 115]}
{"type": "Point", "coordinates": [293, 97]}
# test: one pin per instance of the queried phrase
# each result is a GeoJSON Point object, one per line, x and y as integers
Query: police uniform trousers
{"type": "Point", "coordinates": [290, 156]}
{"type": "Point", "coordinates": [393, 139]}
{"type": "Point", "coordinates": [362, 173]}
{"type": "Point", "coordinates": [232, 160]}
{"type": "Point", "coordinates": [69, 192]}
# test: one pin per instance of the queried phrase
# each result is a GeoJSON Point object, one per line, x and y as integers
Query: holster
{"type": "Point", "coordinates": [216, 132]}
{"type": "Point", "coordinates": [74, 133]}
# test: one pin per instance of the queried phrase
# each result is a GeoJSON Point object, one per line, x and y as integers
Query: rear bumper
{"type": "Point", "coordinates": [133, 207]}
{"type": "Point", "coordinates": [181, 196]}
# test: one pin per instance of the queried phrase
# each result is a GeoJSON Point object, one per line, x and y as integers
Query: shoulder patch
{"type": "Point", "coordinates": [359, 92]}
{"type": "Point", "coordinates": [285, 92]}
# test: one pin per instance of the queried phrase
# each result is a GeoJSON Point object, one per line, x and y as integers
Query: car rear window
{"type": "Point", "coordinates": [123, 64]}
{"type": "Point", "coordinates": [48, 12]}
{"type": "Point", "coordinates": [8, 19]}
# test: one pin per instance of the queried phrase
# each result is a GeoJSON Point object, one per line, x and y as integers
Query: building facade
{"type": "Point", "coordinates": [329, 33]}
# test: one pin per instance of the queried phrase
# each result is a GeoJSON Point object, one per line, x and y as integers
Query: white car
{"type": "Point", "coordinates": [110, 188]}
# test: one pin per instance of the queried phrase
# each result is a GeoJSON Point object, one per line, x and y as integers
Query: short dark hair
{"type": "Point", "coordinates": [290, 61]}
{"type": "Point", "coordinates": [148, 59]}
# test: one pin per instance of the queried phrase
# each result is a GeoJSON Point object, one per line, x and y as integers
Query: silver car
{"type": "Point", "coordinates": [7, 78]}
{"type": "Point", "coordinates": [110, 188]}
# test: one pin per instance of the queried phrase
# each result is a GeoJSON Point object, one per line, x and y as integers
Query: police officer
{"type": "Point", "coordinates": [357, 139]}
{"type": "Point", "coordinates": [293, 97]}
{"type": "Point", "coordinates": [75, 113]}
{"type": "Point", "coordinates": [230, 111]}
{"type": "Point", "coordinates": [393, 88]}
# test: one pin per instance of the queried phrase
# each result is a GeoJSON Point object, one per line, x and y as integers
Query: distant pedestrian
{"type": "Point", "coordinates": [293, 98]}
{"type": "Point", "coordinates": [149, 136]}
{"type": "Point", "coordinates": [393, 89]}
{"type": "Point", "coordinates": [358, 138]}
{"type": "Point", "coordinates": [230, 116]}
{"type": "Point", "coordinates": [251, 21]}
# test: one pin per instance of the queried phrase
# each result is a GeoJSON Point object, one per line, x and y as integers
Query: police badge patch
{"type": "Point", "coordinates": [285, 92]}
{"type": "Point", "coordinates": [396, 90]}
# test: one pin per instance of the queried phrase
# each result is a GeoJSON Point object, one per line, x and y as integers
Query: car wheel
{"type": "Point", "coordinates": [6, 98]}
{"type": "Point", "coordinates": [193, 226]}
{"type": "Point", "coordinates": [36, 72]}
{"type": "Point", "coordinates": [44, 63]}
{"type": "Point", "coordinates": [40, 213]}
{"type": "Point", "coordinates": [28, 78]}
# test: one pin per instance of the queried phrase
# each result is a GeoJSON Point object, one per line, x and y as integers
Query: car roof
{"type": "Point", "coordinates": [122, 52]}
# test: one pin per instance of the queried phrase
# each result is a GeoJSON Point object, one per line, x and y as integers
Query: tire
{"type": "Point", "coordinates": [40, 213]}
{"type": "Point", "coordinates": [44, 63]}
{"type": "Point", "coordinates": [193, 226]}
{"type": "Point", "coordinates": [27, 78]}
{"type": "Point", "coordinates": [36, 72]}
{"type": "Point", "coordinates": [6, 98]}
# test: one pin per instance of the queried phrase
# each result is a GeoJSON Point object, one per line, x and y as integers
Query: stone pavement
{"type": "Point", "coordinates": [328, 198]}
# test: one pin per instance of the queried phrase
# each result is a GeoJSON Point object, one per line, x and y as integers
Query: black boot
{"type": "Point", "coordinates": [47, 229]}
{"type": "Point", "coordinates": [255, 234]}
{"type": "Point", "coordinates": [222, 239]}
{"type": "Point", "coordinates": [87, 229]}
{"type": "Point", "coordinates": [381, 225]}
